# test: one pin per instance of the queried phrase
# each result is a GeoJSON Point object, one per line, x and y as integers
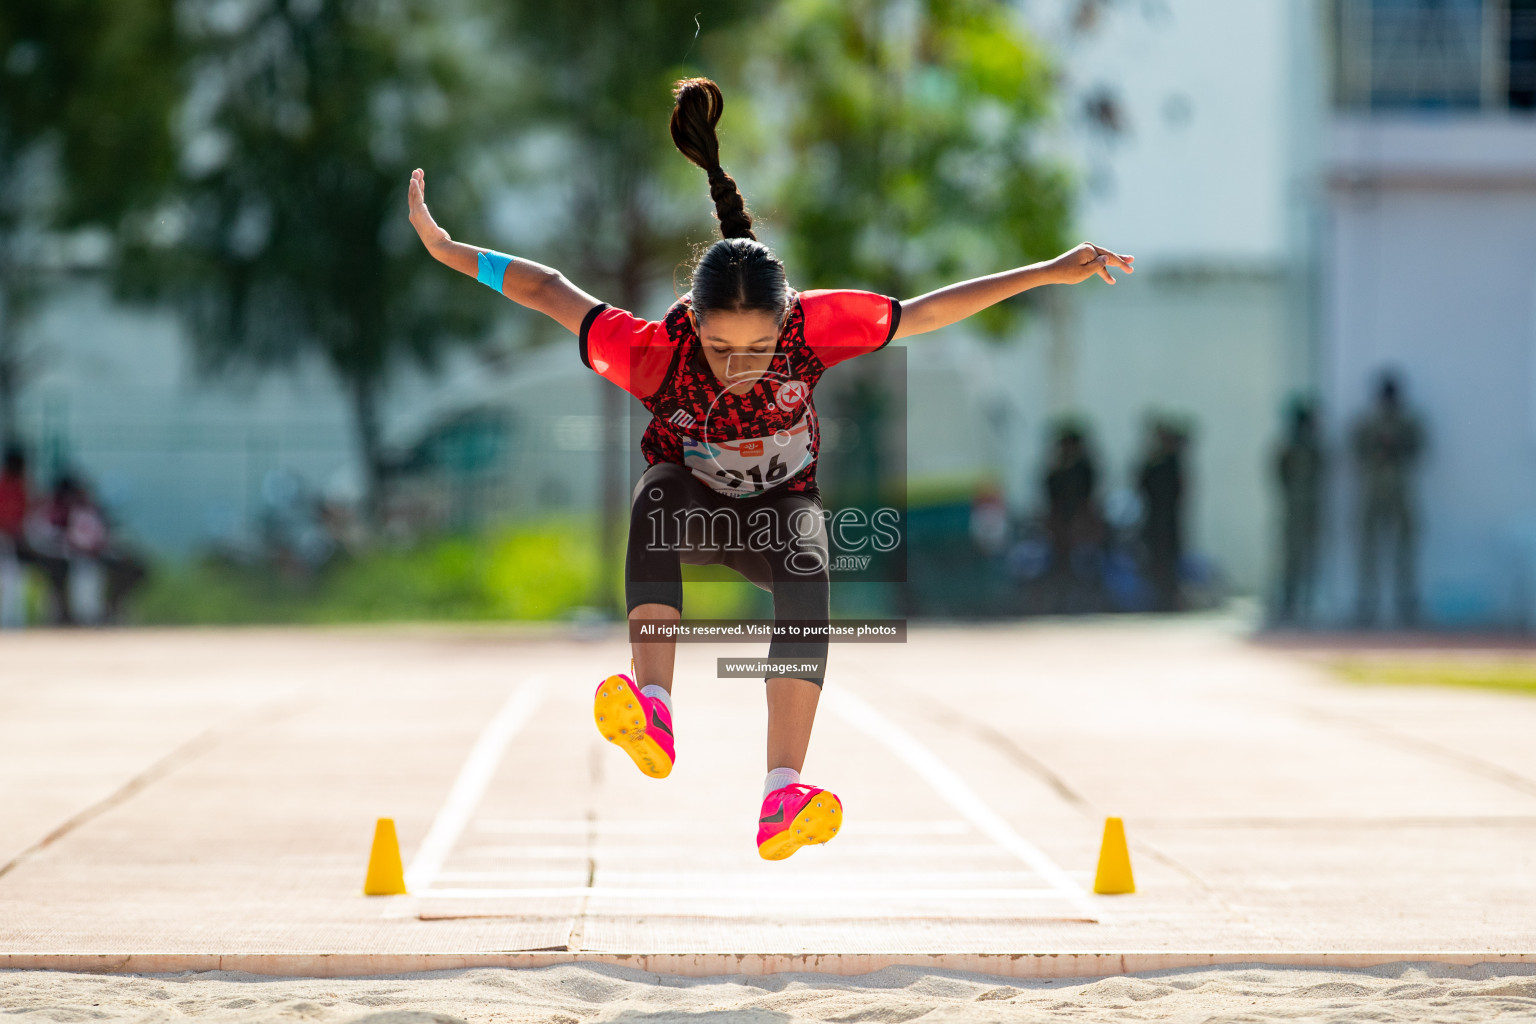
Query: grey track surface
{"type": "Point", "coordinates": [213, 792]}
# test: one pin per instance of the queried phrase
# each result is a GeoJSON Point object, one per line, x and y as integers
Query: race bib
{"type": "Point", "coordinates": [751, 465]}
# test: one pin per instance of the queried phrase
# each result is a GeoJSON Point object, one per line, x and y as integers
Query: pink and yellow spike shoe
{"type": "Point", "coordinates": [795, 816]}
{"type": "Point", "coordinates": [640, 725]}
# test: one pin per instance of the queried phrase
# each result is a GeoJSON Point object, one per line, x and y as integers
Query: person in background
{"type": "Point", "coordinates": [1388, 442]}
{"type": "Point", "coordinates": [15, 538]}
{"type": "Point", "coordinates": [13, 514]}
{"type": "Point", "coordinates": [77, 528]}
{"type": "Point", "coordinates": [1160, 482]}
{"type": "Point", "coordinates": [1072, 519]}
{"type": "Point", "coordinates": [1299, 466]}
{"type": "Point", "coordinates": [13, 496]}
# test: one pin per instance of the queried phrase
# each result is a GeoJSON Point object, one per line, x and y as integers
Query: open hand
{"type": "Point", "coordinates": [1086, 260]}
{"type": "Point", "coordinates": [421, 217]}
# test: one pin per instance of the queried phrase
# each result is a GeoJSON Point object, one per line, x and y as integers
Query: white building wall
{"type": "Point", "coordinates": [1212, 348]}
{"type": "Point", "coordinates": [1429, 272]}
{"type": "Point", "coordinates": [1200, 174]}
{"type": "Point", "coordinates": [1206, 188]}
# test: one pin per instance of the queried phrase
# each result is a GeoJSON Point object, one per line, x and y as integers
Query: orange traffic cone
{"type": "Point", "coordinates": [386, 877]}
{"type": "Point", "coordinates": [1114, 874]}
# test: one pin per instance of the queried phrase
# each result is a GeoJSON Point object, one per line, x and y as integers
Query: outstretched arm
{"type": "Point", "coordinates": [526, 283]}
{"type": "Point", "coordinates": [955, 302]}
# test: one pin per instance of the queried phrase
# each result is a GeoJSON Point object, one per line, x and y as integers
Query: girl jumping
{"type": "Point", "coordinates": [727, 376]}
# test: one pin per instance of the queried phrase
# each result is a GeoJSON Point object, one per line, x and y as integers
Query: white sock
{"type": "Point", "coordinates": [778, 779]}
{"type": "Point", "coordinates": [659, 694]}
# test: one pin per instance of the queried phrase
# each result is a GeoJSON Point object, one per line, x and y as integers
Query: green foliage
{"type": "Point", "coordinates": [531, 572]}
{"type": "Point", "coordinates": [288, 236]}
{"type": "Point", "coordinates": [97, 78]}
{"type": "Point", "coordinates": [911, 128]}
{"type": "Point", "coordinates": [86, 93]}
{"type": "Point", "coordinates": [1512, 675]}
{"type": "Point", "coordinates": [541, 575]}
{"type": "Point", "coordinates": [715, 592]}
{"type": "Point", "coordinates": [599, 78]}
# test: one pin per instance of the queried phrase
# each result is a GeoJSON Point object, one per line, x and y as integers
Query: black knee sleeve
{"type": "Point", "coordinates": [804, 603]}
{"type": "Point", "coordinates": [802, 586]}
{"type": "Point", "coordinates": [652, 569]}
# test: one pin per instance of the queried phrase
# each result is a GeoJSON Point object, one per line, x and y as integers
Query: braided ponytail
{"type": "Point", "coordinates": [737, 273]}
{"type": "Point", "coordinates": [694, 115]}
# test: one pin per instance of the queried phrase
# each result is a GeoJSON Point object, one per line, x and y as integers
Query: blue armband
{"type": "Point", "coordinates": [493, 268]}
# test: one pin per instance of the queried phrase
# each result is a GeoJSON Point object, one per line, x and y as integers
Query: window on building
{"type": "Point", "coordinates": [1434, 54]}
{"type": "Point", "coordinates": [1522, 54]}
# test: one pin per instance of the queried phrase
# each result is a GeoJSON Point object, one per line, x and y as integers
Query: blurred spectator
{"type": "Point", "coordinates": [17, 549]}
{"type": "Point", "coordinates": [13, 513]}
{"type": "Point", "coordinates": [1388, 441]}
{"type": "Point", "coordinates": [989, 521]}
{"type": "Point", "coordinates": [1161, 484]}
{"type": "Point", "coordinates": [71, 528]}
{"type": "Point", "coordinates": [13, 494]}
{"type": "Point", "coordinates": [1072, 521]}
{"type": "Point", "coordinates": [1299, 466]}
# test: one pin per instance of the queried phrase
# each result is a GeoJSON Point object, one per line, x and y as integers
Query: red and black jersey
{"type": "Point", "coordinates": [743, 444]}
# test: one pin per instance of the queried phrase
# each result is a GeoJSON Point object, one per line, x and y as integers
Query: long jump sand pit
{"type": "Point", "coordinates": [568, 994]}
{"type": "Point", "coordinates": [184, 801]}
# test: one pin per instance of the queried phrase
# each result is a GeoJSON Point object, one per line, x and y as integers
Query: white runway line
{"type": "Point", "coordinates": [576, 827]}
{"type": "Point", "coordinates": [469, 787]}
{"type": "Point", "coordinates": [513, 877]}
{"type": "Point", "coordinates": [956, 792]}
{"type": "Point", "coordinates": [480, 766]}
{"type": "Point", "coordinates": [851, 846]}
{"type": "Point", "coordinates": [750, 880]}
{"type": "Point", "coordinates": [736, 894]}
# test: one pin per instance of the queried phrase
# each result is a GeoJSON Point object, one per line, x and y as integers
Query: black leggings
{"type": "Point", "coordinates": [777, 540]}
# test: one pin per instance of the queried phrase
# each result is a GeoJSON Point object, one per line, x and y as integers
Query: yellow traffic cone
{"type": "Point", "coordinates": [385, 875]}
{"type": "Point", "coordinates": [1114, 874]}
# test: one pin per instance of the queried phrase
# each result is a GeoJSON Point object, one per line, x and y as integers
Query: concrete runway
{"type": "Point", "coordinates": [172, 800]}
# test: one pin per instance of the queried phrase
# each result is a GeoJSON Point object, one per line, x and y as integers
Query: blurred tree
{"type": "Point", "coordinates": [911, 128]}
{"type": "Point", "coordinates": [603, 87]}
{"type": "Point", "coordinates": [86, 93]}
{"type": "Point", "coordinates": [287, 237]}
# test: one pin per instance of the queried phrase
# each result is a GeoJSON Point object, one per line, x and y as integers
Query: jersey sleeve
{"type": "Point", "coordinates": [631, 352]}
{"type": "Point", "coordinates": [842, 324]}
